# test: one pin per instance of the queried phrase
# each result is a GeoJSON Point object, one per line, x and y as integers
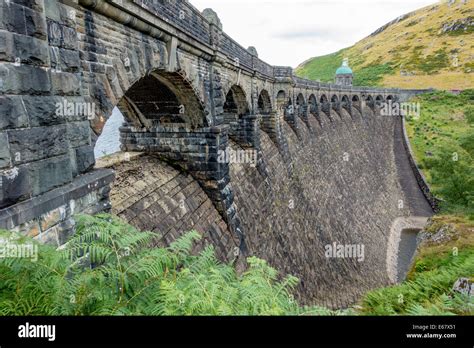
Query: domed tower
{"type": "Point", "coordinates": [344, 74]}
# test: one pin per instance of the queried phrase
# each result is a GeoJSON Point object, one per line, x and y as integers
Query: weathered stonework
{"type": "Point", "coordinates": [188, 92]}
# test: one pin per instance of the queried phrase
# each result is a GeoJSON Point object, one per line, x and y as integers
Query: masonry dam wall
{"type": "Point", "coordinates": [329, 170]}
{"type": "Point", "coordinates": [340, 185]}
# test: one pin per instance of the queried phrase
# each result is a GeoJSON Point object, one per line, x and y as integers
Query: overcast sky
{"type": "Point", "coordinates": [287, 32]}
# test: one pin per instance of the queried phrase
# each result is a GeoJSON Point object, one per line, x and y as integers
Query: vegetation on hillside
{"type": "Point", "coordinates": [429, 48]}
{"type": "Point", "coordinates": [443, 142]}
{"type": "Point", "coordinates": [438, 265]}
{"type": "Point", "coordinates": [108, 268]}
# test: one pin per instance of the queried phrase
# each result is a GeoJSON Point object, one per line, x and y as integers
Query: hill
{"type": "Point", "coordinates": [430, 47]}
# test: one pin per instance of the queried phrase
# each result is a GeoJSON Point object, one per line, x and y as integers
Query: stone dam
{"type": "Point", "coordinates": [327, 167]}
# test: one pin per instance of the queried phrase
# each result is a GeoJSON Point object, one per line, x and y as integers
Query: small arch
{"type": "Point", "coordinates": [345, 103]}
{"type": "Point", "coordinates": [379, 100]}
{"type": "Point", "coordinates": [235, 105]}
{"type": "Point", "coordinates": [369, 101]}
{"type": "Point", "coordinates": [356, 102]}
{"type": "Point", "coordinates": [264, 103]}
{"type": "Point", "coordinates": [325, 105]}
{"type": "Point", "coordinates": [301, 105]}
{"type": "Point", "coordinates": [313, 105]}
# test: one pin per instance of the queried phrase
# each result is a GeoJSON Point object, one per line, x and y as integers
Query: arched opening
{"type": "Point", "coordinates": [281, 103]}
{"type": "Point", "coordinates": [369, 101]}
{"type": "Point", "coordinates": [346, 104]}
{"type": "Point", "coordinates": [301, 106]}
{"type": "Point", "coordinates": [379, 100]}
{"type": "Point", "coordinates": [355, 103]}
{"type": "Point", "coordinates": [390, 97]}
{"type": "Point", "coordinates": [313, 105]}
{"type": "Point", "coordinates": [267, 120]}
{"type": "Point", "coordinates": [264, 103]}
{"type": "Point", "coordinates": [325, 105]}
{"type": "Point", "coordinates": [235, 105]}
{"type": "Point", "coordinates": [159, 99]}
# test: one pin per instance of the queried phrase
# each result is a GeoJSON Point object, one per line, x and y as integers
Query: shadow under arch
{"type": "Point", "coordinates": [159, 98]}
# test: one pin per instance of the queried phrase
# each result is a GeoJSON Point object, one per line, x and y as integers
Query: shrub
{"type": "Point", "coordinates": [107, 268]}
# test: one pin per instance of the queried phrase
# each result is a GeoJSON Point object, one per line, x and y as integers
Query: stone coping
{"type": "Point", "coordinates": [26, 211]}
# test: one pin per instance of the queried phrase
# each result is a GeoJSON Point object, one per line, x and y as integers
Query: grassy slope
{"type": "Point", "coordinates": [415, 46]}
{"type": "Point", "coordinates": [443, 125]}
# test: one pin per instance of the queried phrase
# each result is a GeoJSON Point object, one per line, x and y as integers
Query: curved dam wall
{"type": "Point", "coordinates": [338, 183]}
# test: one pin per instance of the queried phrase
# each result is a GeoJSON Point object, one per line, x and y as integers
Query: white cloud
{"type": "Point", "coordinates": [287, 32]}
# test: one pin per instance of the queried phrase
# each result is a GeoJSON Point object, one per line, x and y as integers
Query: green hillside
{"type": "Point", "coordinates": [429, 48]}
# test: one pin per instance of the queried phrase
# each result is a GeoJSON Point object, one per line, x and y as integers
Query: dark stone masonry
{"type": "Point", "coordinates": [329, 168]}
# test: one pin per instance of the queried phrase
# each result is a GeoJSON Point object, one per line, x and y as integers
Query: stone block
{"type": "Point", "coordinates": [55, 33]}
{"type": "Point", "coordinates": [85, 159]}
{"type": "Point", "coordinates": [24, 79]}
{"type": "Point", "coordinates": [13, 113]}
{"type": "Point", "coordinates": [65, 83]}
{"type": "Point", "coordinates": [68, 60]}
{"type": "Point", "coordinates": [49, 237]}
{"type": "Point", "coordinates": [30, 229]}
{"type": "Point", "coordinates": [30, 50]}
{"type": "Point", "coordinates": [51, 8]}
{"type": "Point", "coordinates": [12, 18]}
{"type": "Point", "coordinates": [49, 174]}
{"type": "Point", "coordinates": [78, 133]}
{"type": "Point", "coordinates": [27, 145]}
{"type": "Point", "coordinates": [35, 24]}
{"type": "Point", "coordinates": [43, 110]}
{"type": "Point", "coordinates": [5, 159]}
{"type": "Point", "coordinates": [15, 186]}
{"type": "Point", "coordinates": [69, 39]}
{"type": "Point", "coordinates": [52, 218]}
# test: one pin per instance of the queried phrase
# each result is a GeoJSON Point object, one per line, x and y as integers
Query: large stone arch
{"type": "Point", "coordinates": [162, 99]}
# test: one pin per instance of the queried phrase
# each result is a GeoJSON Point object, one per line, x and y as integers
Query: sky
{"type": "Point", "coordinates": [288, 32]}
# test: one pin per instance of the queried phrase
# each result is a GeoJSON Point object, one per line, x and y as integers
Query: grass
{"type": "Point", "coordinates": [443, 142]}
{"type": "Point", "coordinates": [324, 68]}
